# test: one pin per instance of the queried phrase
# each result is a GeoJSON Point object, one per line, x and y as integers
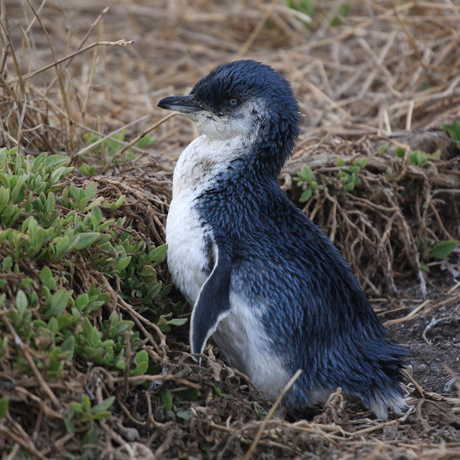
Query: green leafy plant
{"type": "Point", "coordinates": [453, 129]}
{"type": "Point", "coordinates": [415, 157]}
{"type": "Point", "coordinates": [443, 249]}
{"type": "Point", "coordinates": [50, 231]}
{"type": "Point", "coordinates": [83, 412]}
{"type": "Point", "coordinates": [60, 247]}
{"type": "Point", "coordinates": [306, 179]}
{"type": "Point", "coordinates": [165, 323]}
{"type": "Point", "coordinates": [349, 174]}
{"type": "Point", "coordinates": [304, 6]}
{"type": "Point", "coordinates": [167, 400]}
{"type": "Point", "coordinates": [4, 404]}
{"type": "Point", "coordinates": [418, 158]}
{"type": "Point", "coordinates": [342, 13]}
{"type": "Point", "coordinates": [400, 152]}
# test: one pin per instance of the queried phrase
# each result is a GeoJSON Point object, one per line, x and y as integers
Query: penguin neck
{"type": "Point", "coordinates": [261, 158]}
{"type": "Point", "coordinates": [225, 163]}
{"type": "Point", "coordinates": [207, 160]}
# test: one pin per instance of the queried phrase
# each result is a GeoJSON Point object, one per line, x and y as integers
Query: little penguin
{"type": "Point", "coordinates": [264, 281]}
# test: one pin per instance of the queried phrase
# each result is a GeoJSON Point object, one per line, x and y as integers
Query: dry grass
{"type": "Point", "coordinates": [77, 68]}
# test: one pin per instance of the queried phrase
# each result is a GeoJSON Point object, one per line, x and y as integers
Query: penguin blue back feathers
{"type": "Point", "coordinates": [264, 281]}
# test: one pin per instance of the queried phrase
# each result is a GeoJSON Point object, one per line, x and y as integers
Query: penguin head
{"type": "Point", "coordinates": [241, 98]}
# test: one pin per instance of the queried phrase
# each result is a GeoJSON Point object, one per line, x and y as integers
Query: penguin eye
{"type": "Point", "coordinates": [233, 102]}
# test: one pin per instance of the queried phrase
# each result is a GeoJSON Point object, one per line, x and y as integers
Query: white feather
{"type": "Point", "coordinates": [242, 339]}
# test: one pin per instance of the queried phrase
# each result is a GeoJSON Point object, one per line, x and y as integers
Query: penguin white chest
{"type": "Point", "coordinates": [185, 236]}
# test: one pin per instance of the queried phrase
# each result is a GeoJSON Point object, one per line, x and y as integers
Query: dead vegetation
{"type": "Point", "coordinates": [372, 79]}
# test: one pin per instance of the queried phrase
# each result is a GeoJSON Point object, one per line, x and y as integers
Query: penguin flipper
{"type": "Point", "coordinates": [213, 302]}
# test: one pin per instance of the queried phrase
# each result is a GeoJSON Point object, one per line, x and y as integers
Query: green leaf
{"type": "Point", "coordinates": [47, 278]}
{"type": "Point", "coordinates": [4, 341]}
{"type": "Point", "coordinates": [81, 301]}
{"type": "Point", "coordinates": [85, 403]}
{"type": "Point", "coordinates": [361, 163]}
{"type": "Point", "coordinates": [95, 203]}
{"type": "Point", "coordinates": [76, 407]}
{"type": "Point", "coordinates": [177, 321]}
{"type": "Point", "coordinates": [17, 193]}
{"type": "Point", "coordinates": [418, 158]}
{"type": "Point", "coordinates": [59, 173]}
{"type": "Point", "coordinates": [167, 400]}
{"type": "Point", "coordinates": [10, 214]}
{"type": "Point", "coordinates": [88, 170]}
{"type": "Point", "coordinates": [54, 161]}
{"type": "Point", "coordinates": [158, 255]}
{"type": "Point", "coordinates": [443, 249]}
{"type": "Point", "coordinates": [61, 245]}
{"type": "Point", "coordinates": [4, 197]}
{"type": "Point", "coordinates": [306, 174]}
{"type": "Point", "coordinates": [55, 362]}
{"type": "Point", "coordinates": [453, 130]}
{"type": "Point", "coordinates": [116, 204]}
{"type": "Point", "coordinates": [145, 141]}
{"type": "Point", "coordinates": [142, 363]}
{"type": "Point", "coordinates": [305, 6]}
{"type": "Point", "coordinates": [184, 414]}
{"type": "Point", "coordinates": [4, 405]}
{"type": "Point", "coordinates": [58, 303]}
{"type": "Point", "coordinates": [68, 346]}
{"type": "Point", "coordinates": [306, 195]}
{"type": "Point", "coordinates": [65, 321]}
{"type": "Point", "coordinates": [149, 273]}
{"type": "Point", "coordinates": [85, 240]}
{"type": "Point", "coordinates": [68, 423]}
{"type": "Point", "coordinates": [91, 190]}
{"type": "Point", "coordinates": [7, 264]}
{"type": "Point", "coordinates": [122, 263]}
{"type": "Point", "coordinates": [53, 325]}
{"type": "Point", "coordinates": [104, 405]}
{"type": "Point", "coordinates": [400, 152]}
{"type": "Point", "coordinates": [21, 301]}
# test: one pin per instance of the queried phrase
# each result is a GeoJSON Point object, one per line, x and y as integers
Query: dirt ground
{"type": "Point", "coordinates": [363, 72]}
{"type": "Point", "coordinates": [434, 344]}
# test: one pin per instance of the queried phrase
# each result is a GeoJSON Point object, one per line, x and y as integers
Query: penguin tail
{"type": "Point", "coordinates": [380, 402]}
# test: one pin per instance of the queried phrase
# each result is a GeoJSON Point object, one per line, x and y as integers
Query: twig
{"type": "Point", "coordinates": [25, 442]}
{"type": "Point", "coordinates": [408, 316]}
{"type": "Point", "coordinates": [60, 77]}
{"type": "Point", "coordinates": [17, 67]}
{"type": "Point", "coordinates": [70, 56]}
{"type": "Point", "coordinates": [245, 48]}
{"type": "Point", "coordinates": [83, 41]}
{"type": "Point", "coordinates": [137, 316]}
{"type": "Point", "coordinates": [453, 288]}
{"type": "Point", "coordinates": [418, 387]}
{"type": "Point", "coordinates": [156, 378]}
{"type": "Point", "coordinates": [111, 135]}
{"type": "Point", "coordinates": [144, 133]}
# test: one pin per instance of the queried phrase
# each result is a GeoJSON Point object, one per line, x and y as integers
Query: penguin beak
{"type": "Point", "coordinates": [183, 104]}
